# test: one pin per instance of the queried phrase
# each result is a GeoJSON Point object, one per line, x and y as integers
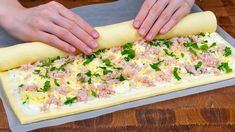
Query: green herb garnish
{"type": "Point", "coordinates": [105, 70]}
{"type": "Point", "coordinates": [89, 59]}
{"type": "Point", "coordinates": [225, 67]}
{"type": "Point", "coordinates": [46, 87]}
{"type": "Point", "coordinates": [198, 65]}
{"type": "Point", "coordinates": [56, 82]}
{"type": "Point", "coordinates": [155, 66]}
{"type": "Point", "coordinates": [127, 46]}
{"type": "Point", "coordinates": [213, 45]}
{"type": "Point", "coordinates": [70, 100]}
{"type": "Point", "coordinates": [175, 72]}
{"type": "Point", "coordinates": [107, 62]}
{"type": "Point", "coordinates": [192, 51]}
{"type": "Point", "coordinates": [93, 93]}
{"type": "Point", "coordinates": [204, 47]}
{"type": "Point", "coordinates": [182, 55]}
{"type": "Point", "coordinates": [21, 85]}
{"type": "Point", "coordinates": [168, 53]}
{"type": "Point", "coordinates": [121, 78]}
{"type": "Point", "coordinates": [88, 73]}
{"type": "Point", "coordinates": [227, 51]}
{"type": "Point", "coordinates": [129, 53]}
{"type": "Point", "coordinates": [154, 43]}
{"type": "Point", "coordinates": [202, 34]}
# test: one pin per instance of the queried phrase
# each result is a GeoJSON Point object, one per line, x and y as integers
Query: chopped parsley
{"type": "Point", "coordinates": [89, 59]}
{"type": "Point", "coordinates": [175, 72]}
{"type": "Point", "coordinates": [46, 87]}
{"type": "Point", "coordinates": [168, 53]}
{"type": "Point", "coordinates": [204, 48]}
{"type": "Point", "coordinates": [127, 46]}
{"type": "Point", "coordinates": [213, 45]}
{"type": "Point", "coordinates": [70, 100]}
{"type": "Point", "coordinates": [155, 66]}
{"type": "Point", "coordinates": [57, 69]}
{"type": "Point", "coordinates": [98, 52]}
{"type": "Point", "coordinates": [167, 43]}
{"type": "Point", "coordinates": [194, 45]}
{"type": "Point", "coordinates": [26, 100]}
{"type": "Point", "coordinates": [82, 80]}
{"type": "Point", "coordinates": [129, 54]}
{"type": "Point", "coordinates": [88, 73]}
{"type": "Point", "coordinates": [36, 72]}
{"type": "Point", "coordinates": [198, 65]}
{"type": "Point", "coordinates": [118, 68]}
{"type": "Point", "coordinates": [225, 67]}
{"type": "Point", "coordinates": [105, 70]}
{"type": "Point", "coordinates": [107, 62]}
{"type": "Point", "coordinates": [202, 34]}
{"type": "Point", "coordinates": [154, 43]}
{"type": "Point", "coordinates": [79, 75]}
{"type": "Point", "coordinates": [192, 51]}
{"type": "Point", "coordinates": [121, 78]}
{"type": "Point", "coordinates": [93, 93]}
{"type": "Point", "coordinates": [56, 82]}
{"type": "Point", "coordinates": [89, 81]}
{"type": "Point", "coordinates": [227, 51]}
{"type": "Point", "coordinates": [182, 55]}
{"type": "Point", "coordinates": [21, 85]}
{"type": "Point", "coordinates": [96, 75]}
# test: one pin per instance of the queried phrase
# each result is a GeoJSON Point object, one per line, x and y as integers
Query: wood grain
{"type": "Point", "coordinates": [208, 112]}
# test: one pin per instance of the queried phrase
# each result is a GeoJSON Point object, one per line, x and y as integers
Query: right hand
{"type": "Point", "coordinates": [52, 24]}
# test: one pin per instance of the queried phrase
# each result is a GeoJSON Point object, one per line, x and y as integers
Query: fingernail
{"type": "Point", "coordinates": [95, 34]}
{"type": "Point", "coordinates": [88, 51]}
{"type": "Point", "coordinates": [94, 44]}
{"type": "Point", "coordinates": [163, 31]}
{"type": "Point", "coordinates": [71, 49]}
{"type": "Point", "coordinates": [142, 31]}
{"type": "Point", "coordinates": [137, 24]}
{"type": "Point", "coordinates": [149, 36]}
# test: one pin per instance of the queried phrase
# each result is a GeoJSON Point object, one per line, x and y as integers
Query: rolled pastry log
{"type": "Point", "coordinates": [111, 35]}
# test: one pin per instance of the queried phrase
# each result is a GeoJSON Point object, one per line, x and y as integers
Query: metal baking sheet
{"type": "Point", "coordinates": [98, 15]}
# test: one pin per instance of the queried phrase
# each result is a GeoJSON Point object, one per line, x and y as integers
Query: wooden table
{"type": "Point", "coordinates": [209, 111]}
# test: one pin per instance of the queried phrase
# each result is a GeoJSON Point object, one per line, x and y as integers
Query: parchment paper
{"type": "Point", "coordinates": [98, 15]}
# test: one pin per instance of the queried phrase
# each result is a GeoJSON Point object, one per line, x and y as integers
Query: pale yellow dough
{"type": "Point", "coordinates": [110, 36]}
{"type": "Point", "coordinates": [113, 35]}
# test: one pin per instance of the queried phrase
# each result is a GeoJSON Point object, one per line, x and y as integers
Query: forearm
{"type": "Point", "coordinates": [8, 6]}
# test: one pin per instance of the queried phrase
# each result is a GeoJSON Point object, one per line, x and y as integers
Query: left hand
{"type": "Point", "coordinates": [159, 16]}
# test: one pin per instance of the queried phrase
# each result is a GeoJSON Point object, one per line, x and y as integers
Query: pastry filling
{"type": "Point", "coordinates": [67, 81]}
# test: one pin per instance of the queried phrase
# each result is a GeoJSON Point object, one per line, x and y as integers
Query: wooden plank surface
{"type": "Point", "coordinates": [210, 111]}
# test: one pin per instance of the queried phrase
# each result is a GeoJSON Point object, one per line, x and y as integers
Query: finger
{"type": "Point", "coordinates": [152, 16]}
{"type": "Point", "coordinates": [178, 15]}
{"type": "Point", "coordinates": [53, 41]}
{"type": "Point", "coordinates": [77, 19]}
{"type": "Point", "coordinates": [142, 14]}
{"type": "Point", "coordinates": [75, 30]}
{"type": "Point", "coordinates": [162, 20]}
{"type": "Point", "coordinates": [66, 36]}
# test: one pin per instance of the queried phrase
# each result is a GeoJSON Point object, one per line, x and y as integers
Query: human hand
{"type": "Point", "coordinates": [159, 16]}
{"type": "Point", "coordinates": [53, 24]}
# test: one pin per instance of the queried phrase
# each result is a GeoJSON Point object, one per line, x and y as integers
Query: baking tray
{"type": "Point", "coordinates": [98, 15]}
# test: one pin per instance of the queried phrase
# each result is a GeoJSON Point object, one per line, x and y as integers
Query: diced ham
{"type": "Point", "coordinates": [215, 71]}
{"type": "Point", "coordinates": [31, 87]}
{"type": "Point", "coordinates": [147, 81]}
{"type": "Point", "coordinates": [116, 49]}
{"type": "Point", "coordinates": [27, 67]}
{"type": "Point", "coordinates": [209, 60]}
{"type": "Point", "coordinates": [62, 90]}
{"type": "Point", "coordinates": [191, 69]}
{"type": "Point", "coordinates": [82, 95]}
{"type": "Point", "coordinates": [221, 49]}
{"type": "Point", "coordinates": [162, 77]}
{"type": "Point", "coordinates": [196, 39]}
{"type": "Point", "coordinates": [59, 74]}
{"type": "Point", "coordinates": [170, 61]}
{"type": "Point", "coordinates": [104, 91]}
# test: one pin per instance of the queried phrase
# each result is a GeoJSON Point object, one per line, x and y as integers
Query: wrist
{"type": "Point", "coordinates": [190, 2]}
{"type": "Point", "coordinates": [7, 10]}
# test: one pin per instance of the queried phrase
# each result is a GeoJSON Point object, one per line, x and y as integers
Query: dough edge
{"type": "Point", "coordinates": [110, 36]}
